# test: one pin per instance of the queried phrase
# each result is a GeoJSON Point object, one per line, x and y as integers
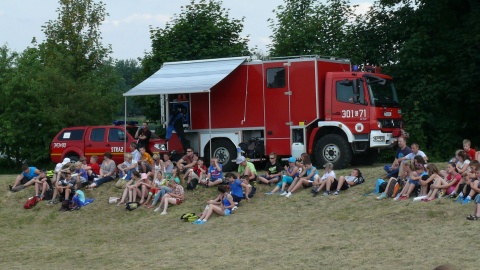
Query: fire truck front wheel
{"type": "Point", "coordinates": [335, 149]}
{"type": "Point", "coordinates": [225, 151]}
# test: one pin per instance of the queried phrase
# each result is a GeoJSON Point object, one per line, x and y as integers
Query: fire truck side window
{"type": "Point", "coordinates": [276, 77]}
{"type": "Point", "coordinates": [345, 94]}
{"type": "Point", "coordinates": [97, 135]}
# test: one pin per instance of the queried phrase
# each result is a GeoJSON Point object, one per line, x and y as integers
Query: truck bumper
{"type": "Point", "coordinates": [378, 139]}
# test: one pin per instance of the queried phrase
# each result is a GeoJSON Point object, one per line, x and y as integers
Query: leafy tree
{"type": "Point", "coordinates": [309, 27]}
{"type": "Point", "coordinates": [67, 80]}
{"type": "Point", "coordinates": [129, 70]}
{"type": "Point", "coordinates": [202, 30]}
{"type": "Point", "coordinates": [430, 47]}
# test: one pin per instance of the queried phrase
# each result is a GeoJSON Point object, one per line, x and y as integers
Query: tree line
{"type": "Point", "coordinates": [429, 47]}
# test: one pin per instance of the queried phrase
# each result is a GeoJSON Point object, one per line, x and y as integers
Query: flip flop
{"type": "Point", "coordinates": [472, 217]}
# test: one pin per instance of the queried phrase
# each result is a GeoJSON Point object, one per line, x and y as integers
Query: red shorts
{"type": "Point", "coordinates": [154, 191]}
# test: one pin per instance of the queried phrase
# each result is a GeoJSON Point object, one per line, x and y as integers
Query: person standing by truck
{"type": "Point", "coordinates": [143, 135]}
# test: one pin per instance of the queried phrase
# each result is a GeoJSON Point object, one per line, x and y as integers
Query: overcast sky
{"type": "Point", "coordinates": [127, 27]}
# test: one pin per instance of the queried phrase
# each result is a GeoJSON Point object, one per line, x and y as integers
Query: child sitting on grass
{"type": "Point", "coordinates": [222, 208]}
{"type": "Point", "coordinates": [175, 197]}
{"type": "Point", "coordinates": [448, 184]}
{"type": "Point", "coordinates": [291, 171]}
{"type": "Point", "coordinates": [310, 176]}
{"type": "Point", "coordinates": [237, 186]}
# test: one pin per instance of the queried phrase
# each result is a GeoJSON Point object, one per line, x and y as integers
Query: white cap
{"type": "Point", "coordinates": [240, 159]}
{"type": "Point", "coordinates": [65, 161]}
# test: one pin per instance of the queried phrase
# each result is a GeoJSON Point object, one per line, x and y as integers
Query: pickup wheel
{"type": "Point", "coordinates": [335, 149]}
{"type": "Point", "coordinates": [74, 157]}
{"type": "Point", "coordinates": [225, 151]}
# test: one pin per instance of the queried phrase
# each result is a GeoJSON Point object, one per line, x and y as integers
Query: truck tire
{"type": "Point", "coordinates": [335, 149]}
{"type": "Point", "coordinates": [225, 151]}
{"type": "Point", "coordinates": [74, 157]}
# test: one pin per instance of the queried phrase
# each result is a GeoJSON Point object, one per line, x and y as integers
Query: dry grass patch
{"type": "Point", "coordinates": [349, 231]}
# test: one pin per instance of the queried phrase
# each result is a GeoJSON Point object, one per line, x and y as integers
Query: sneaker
{"type": "Point", "coordinates": [270, 184]}
{"type": "Point", "coordinates": [326, 193]}
{"type": "Point", "coordinates": [157, 209]}
{"type": "Point", "coordinates": [283, 193]}
{"type": "Point", "coordinates": [467, 200]}
{"type": "Point", "coordinates": [268, 193]}
{"type": "Point", "coordinates": [336, 192]}
{"type": "Point", "coordinates": [234, 208]}
{"type": "Point", "coordinates": [459, 199]}
{"type": "Point", "coordinates": [288, 194]}
{"type": "Point", "coordinates": [382, 196]}
{"type": "Point", "coordinates": [202, 222]}
{"type": "Point", "coordinates": [403, 198]}
{"type": "Point", "coordinates": [197, 221]}
{"type": "Point", "coordinates": [314, 190]}
{"type": "Point", "coordinates": [452, 196]}
{"type": "Point", "coordinates": [52, 202]}
{"type": "Point", "coordinates": [163, 213]}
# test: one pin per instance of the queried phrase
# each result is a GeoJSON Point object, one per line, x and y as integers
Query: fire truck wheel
{"type": "Point", "coordinates": [225, 151]}
{"type": "Point", "coordinates": [335, 149]}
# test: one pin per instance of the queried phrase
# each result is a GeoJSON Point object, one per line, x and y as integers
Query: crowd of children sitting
{"type": "Point", "coordinates": [411, 173]}
{"type": "Point", "coordinates": [151, 180]}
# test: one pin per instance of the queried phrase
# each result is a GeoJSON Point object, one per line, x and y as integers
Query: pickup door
{"type": "Point", "coordinates": [105, 139]}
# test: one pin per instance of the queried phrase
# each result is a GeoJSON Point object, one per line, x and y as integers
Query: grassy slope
{"type": "Point", "coordinates": [349, 231]}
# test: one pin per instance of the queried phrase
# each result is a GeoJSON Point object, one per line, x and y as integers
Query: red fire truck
{"type": "Point", "coordinates": [288, 106]}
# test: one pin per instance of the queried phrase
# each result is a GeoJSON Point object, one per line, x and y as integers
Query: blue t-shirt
{"type": "Point", "coordinates": [214, 173]}
{"type": "Point", "coordinates": [31, 173]}
{"type": "Point", "coordinates": [236, 188]}
{"type": "Point", "coordinates": [402, 153]}
{"type": "Point", "coordinates": [81, 195]}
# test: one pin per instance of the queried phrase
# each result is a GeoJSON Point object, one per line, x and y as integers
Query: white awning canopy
{"type": "Point", "coordinates": [187, 77]}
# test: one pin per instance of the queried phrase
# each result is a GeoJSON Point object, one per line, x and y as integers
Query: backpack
{"type": "Point", "coordinates": [192, 184]}
{"type": "Point", "coordinates": [189, 217]}
{"type": "Point", "coordinates": [65, 205]}
{"type": "Point", "coordinates": [131, 206]}
{"type": "Point", "coordinates": [48, 194]}
{"type": "Point", "coordinates": [395, 187]}
{"type": "Point", "coordinates": [31, 202]}
{"type": "Point", "coordinates": [380, 186]}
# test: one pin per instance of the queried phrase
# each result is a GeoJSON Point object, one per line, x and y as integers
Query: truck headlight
{"type": "Point", "coordinates": [378, 138]}
{"type": "Point", "coordinates": [160, 147]}
{"type": "Point", "coordinates": [379, 123]}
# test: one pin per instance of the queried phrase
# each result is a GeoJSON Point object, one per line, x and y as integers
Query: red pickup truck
{"type": "Point", "coordinates": [75, 142]}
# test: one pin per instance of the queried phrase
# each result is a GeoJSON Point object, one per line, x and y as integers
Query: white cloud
{"type": "Point", "coordinates": [139, 18]}
{"type": "Point", "coordinates": [363, 7]}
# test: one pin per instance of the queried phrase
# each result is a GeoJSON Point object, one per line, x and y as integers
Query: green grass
{"type": "Point", "coordinates": [349, 231]}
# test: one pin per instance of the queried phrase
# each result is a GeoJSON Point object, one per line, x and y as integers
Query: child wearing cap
{"type": "Point", "coordinates": [325, 181]}
{"type": "Point", "coordinates": [246, 168]}
{"type": "Point", "coordinates": [290, 172]}
{"type": "Point", "coordinates": [310, 176]}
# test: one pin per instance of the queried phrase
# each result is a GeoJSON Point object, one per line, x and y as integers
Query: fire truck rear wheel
{"type": "Point", "coordinates": [335, 149]}
{"type": "Point", "coordinates": [225, 151]}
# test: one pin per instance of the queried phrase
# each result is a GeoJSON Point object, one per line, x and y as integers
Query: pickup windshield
{"type": "Point", "coordinates": [382, 92]}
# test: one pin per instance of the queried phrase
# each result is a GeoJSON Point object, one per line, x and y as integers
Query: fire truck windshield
{"type": "Point", "coordinates": [382, 92]}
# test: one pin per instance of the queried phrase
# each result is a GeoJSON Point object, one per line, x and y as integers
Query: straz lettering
{"type": "Point", "coordinates": [116, 149]}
